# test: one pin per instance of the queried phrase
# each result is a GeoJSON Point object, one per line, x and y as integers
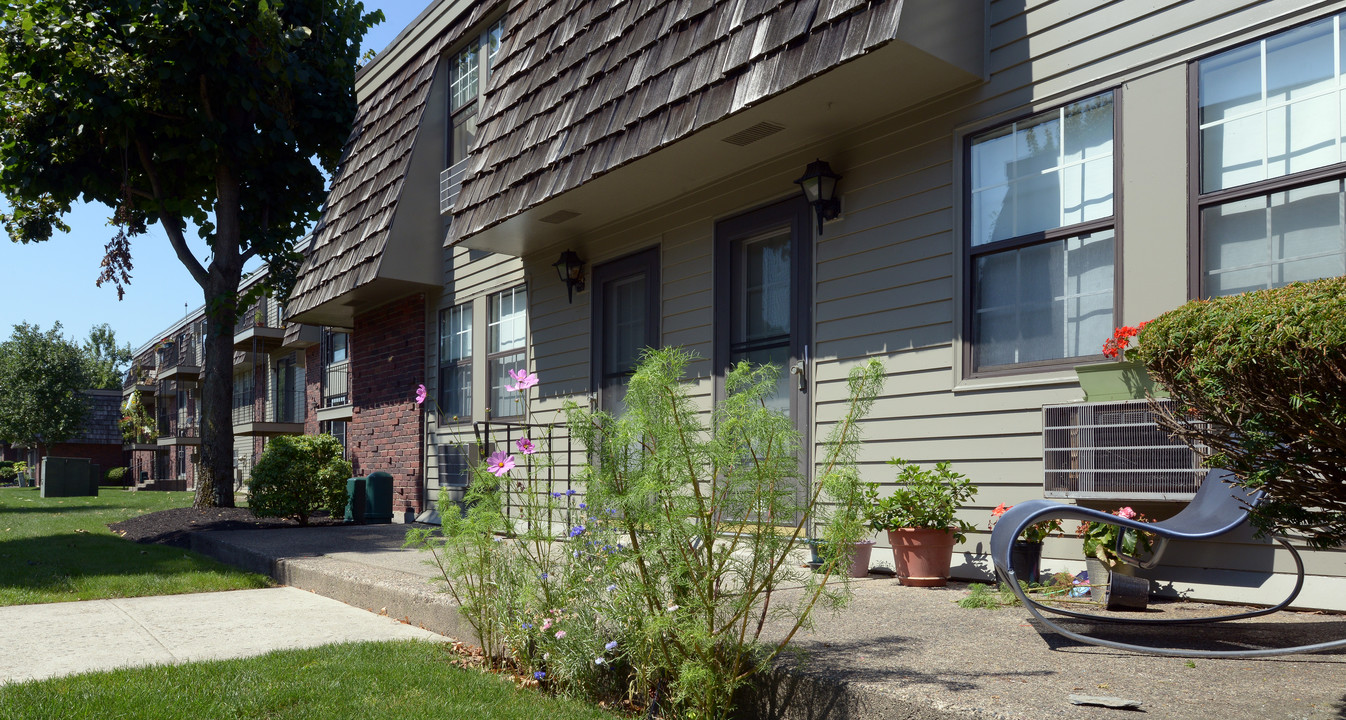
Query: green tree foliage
{"type": "Point", "coordinates": [1266, 370]}
{"type": "Point", "coordinates": [105, 360]}
{"type": "Point", "coordinates": [42, 376]}
{"type": "Point", "coordinates": [223, 114]}
{"type": "Point", "coordinates": [298, 474]}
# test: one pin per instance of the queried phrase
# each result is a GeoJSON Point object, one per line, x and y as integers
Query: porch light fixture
{"type": "Point", "coordinates": [819, 185]}
{"type": "Point", "coordinates": [570, 268]}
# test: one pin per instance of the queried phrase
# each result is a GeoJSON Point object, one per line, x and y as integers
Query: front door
{"type": "Point", "coordinates": [626, 322]}
{"type": "Point", "coordinates": [762, 303]}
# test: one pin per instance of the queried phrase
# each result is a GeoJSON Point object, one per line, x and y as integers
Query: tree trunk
{"type": "Point", "coordinates": [215, 477]}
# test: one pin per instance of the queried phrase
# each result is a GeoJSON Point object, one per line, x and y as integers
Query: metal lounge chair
{"type": "Point", "coordinates": [1220, 506]}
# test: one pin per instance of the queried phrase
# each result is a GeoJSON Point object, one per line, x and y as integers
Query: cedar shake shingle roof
{"type": "Point", "coordinates": [351, 235]}
{"type": "Point", "coordinates": [585, 86]}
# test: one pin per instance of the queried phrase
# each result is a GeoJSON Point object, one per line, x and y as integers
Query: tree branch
{"type": "Point", "coordinates": [171, 222]}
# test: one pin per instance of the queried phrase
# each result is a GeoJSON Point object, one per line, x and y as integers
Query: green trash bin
{"type": "Point", "coordinates": [355, 500]}
{"type": "Point", "coordinates": [379, 498]}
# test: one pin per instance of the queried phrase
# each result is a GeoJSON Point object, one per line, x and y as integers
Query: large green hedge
{"type": "Point", "coordinates": [1267, 370]}
{"type": "Point", "coordinates": [297, 475]}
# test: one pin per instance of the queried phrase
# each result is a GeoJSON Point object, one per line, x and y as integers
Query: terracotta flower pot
{"type": "Point", "coordinates": [922, 556]}
{"type": "Point", "coordinates": [860, 560]}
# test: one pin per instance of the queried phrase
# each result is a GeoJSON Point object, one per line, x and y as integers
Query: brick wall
{"type": "Point", "coordinates": [103, 455]}
{"type": "Point", "coordinates": [387, 363]}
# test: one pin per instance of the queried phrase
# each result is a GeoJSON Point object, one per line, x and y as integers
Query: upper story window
{"type": "Point", "coordinates": [1041, 245]}
{"type": "Point", "coordinates": [507, 336]}
{"type": "Point", "coordinates": [455, 362]}
{"type": "Point", "coordinates": [469, 70]}
{"type": "Point", "coordinates": [1270, 131]}
{"type": "Point", "coordinates": [338, 347]}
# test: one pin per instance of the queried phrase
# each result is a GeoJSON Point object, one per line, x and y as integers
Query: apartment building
{"type": "Point", "coordinates": [553, 186]}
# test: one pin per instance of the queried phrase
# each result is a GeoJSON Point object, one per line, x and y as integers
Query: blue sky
{"type": "Point", "coordinates": [54, 281]}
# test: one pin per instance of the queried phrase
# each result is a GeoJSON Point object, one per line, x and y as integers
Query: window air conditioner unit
{"type": "Point", "coordinates": [1115, 451]}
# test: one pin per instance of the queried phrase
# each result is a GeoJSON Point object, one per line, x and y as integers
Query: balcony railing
{"type": "Point", "coordinates": [288, 406]}
{"type": "Point", "coordinates": [336, 384]}
{"type": "Point", "coordinates": [266, 312]}
{"type": "Point", "coordinates": [186, 352]}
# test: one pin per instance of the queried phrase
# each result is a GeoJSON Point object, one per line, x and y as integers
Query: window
{"type": "Point", "coordinates": [468, 72]}
{"type": "Point", "coordinates": [455, 362]}
{"type": "Point", "coordinates": [1270, 130]}
{"type": "Point", "coordinates": [338, 346]}
{"type": "Point", "coordinates": [1041, 238]}
{"type": "Point", "coordinates": [337, 429]}
{"type": "Point", "coordinates": [506, 334]}
{"type": "Point", "coordinates": [244, 388]}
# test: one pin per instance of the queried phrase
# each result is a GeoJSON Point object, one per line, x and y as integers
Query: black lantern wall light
{"type": "Point", "coordinates": [570, 268]}
{"type": "Point", "coordinates": [819, 185]}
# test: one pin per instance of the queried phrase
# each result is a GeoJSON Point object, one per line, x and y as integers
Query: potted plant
{"type": "Point", "coordinates": [1026, 552]}
{"type": "Point", "coordinates": [821, 552]}
{"type": "Point", "coordinates": [919, 519]}
{"type": "Point", "coordinates": [1123, 378]}
{"type": "Point", "coordinates": [1100, 554]}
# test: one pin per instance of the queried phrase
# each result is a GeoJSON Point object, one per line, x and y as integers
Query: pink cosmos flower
{"type": "Point", "coordinates": [420, 394]}
{"type": "Point", "coordinates": [560, 634]}
{"type": "Point", "coordinates": [1127, 513]}
{"type": "Point", "coordinates": [522, 379]}
{"type": "Point", "coordinates": [526, 446]}
{"type": "Point", "coordinates": [500, 463]}
{"type": "Point", "coordinates": [546, 624]}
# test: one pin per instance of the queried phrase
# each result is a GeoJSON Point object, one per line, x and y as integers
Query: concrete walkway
{"type": "Point", "coordinates": [51, 640]}
{"type": "Point", "coordinates": [895, 652]}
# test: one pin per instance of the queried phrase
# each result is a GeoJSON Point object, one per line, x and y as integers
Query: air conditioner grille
{"type": "Point", "coordinates": [1114, 450]}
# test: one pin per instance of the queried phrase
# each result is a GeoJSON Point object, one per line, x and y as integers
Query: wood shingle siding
{"type": "Point", "coordinates": [582, 90]}
{"type": "Point", "coordinates": [349, 241]}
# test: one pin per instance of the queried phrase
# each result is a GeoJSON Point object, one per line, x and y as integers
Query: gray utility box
{"type": "Point", "coordinates": [68, 477]}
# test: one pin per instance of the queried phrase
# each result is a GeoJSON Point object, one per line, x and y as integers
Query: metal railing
{"type": "Point", "coordinates": [549, 471]}
{"type": "Point", "coordinates": [186, 351]}
{"type": "Point", "coordinates": [336, 389]}
{"type": "Point", "coordinates": [288, 406]}
{"type": "Point", "coordinates": [266, 312]}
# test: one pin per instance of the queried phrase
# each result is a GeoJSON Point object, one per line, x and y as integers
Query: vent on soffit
{"type": "Point", "coordinates": [754, 133]}
{"type": "Point", "coordinates": [559, 217]}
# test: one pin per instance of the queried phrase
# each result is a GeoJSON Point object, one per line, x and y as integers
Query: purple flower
{"type": "Point", "coordinates": [499, 463]}
{"type": "Point", "coordinates": [544, 576]}
{"type": "Point", "coordinates": [611, 588]}
{"type": "Point", "coordinates": [526, 446]}
{"type": "Point", "coordinates": [610, 646]}
{"type": "Point", "coordinates": [420, 394]}
{"type": "Point", "coordinates": [522, 380]}
{"type": "Point", "coordinates": [577, 531]}
{"type": "Point", "coordinates": [527, 626]}
{"type": "Point", "coordinates": [612, 511]}
{"type": "Point", "coordinates": [570, 492]}
{"type": "Point", "coordinates": [584, 507]}
{"type": "Point", "coordinates": [599, 661]}
{"type": "Point", "coordinates": [539, 675]}
{"type": "Point", "coordinates": [558, 495]}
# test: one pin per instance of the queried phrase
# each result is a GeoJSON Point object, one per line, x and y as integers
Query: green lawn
{"type": "Point", "coordinates": [59, 549]}
{"type": "Point", "coordinates": [356, 680]}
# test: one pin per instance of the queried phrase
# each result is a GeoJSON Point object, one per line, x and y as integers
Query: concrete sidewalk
{"type": "Point", "coordinates": [51, 640]}
{"type": "Point", "coordinates": [895, 652]}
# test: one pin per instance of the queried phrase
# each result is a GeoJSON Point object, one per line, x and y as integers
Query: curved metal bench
{"type": "Point", "coordinates": [1220, 506]}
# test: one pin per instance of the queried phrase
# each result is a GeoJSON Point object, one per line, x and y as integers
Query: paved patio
{"type": "Point", "coordinates": [894, 652]}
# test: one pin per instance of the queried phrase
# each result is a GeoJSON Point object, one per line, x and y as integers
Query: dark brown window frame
{"type": "Point", "coordinates": [493, 356]}
{"type": "Point", "coordinates": [443, 365]}
{"type": "Point", "coordinates": [479, 38]}
{"type": "Point", "coordinates": [1114, 223]}
{"type": "Point", "coordinates": [647, 261]}
{"type": "Point", "coordinates": [1199, 200]}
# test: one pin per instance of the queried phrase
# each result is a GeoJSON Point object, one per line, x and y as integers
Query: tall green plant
{"type": "Point", "coordinates": [297, 475]}
{"type": "Point", "coordinates": [1265, 371]}
{"type": "Point", "coordinates": [674, 559]}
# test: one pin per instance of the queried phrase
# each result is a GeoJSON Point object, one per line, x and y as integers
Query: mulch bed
{"type": "Point", "coordinates": [172, 527]}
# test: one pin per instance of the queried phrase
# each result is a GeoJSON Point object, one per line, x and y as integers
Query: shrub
{"type": "Point", "coordinates": [675, 556]}
{"type": "Point", "coordinates": [1266, 370]}
{"type": "Point", "coordinates": [297, 475]}
{"type": "Point", "coordinates": [116, 476]}
{"type": "Point", "coordinates": [7, 471]}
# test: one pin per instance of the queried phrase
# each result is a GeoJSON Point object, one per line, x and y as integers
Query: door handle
{"type": "Point", "coordinates": [800, 370]}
